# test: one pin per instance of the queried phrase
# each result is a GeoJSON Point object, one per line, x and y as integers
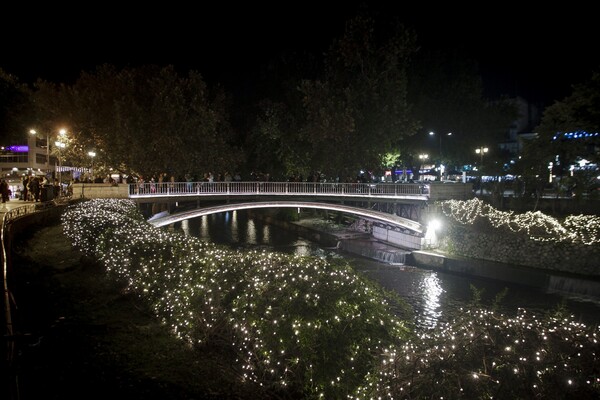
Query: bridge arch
{"type": "Point", "coordinates": [376, 216]}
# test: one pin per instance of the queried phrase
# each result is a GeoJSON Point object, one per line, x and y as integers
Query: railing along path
{"type": "Point", "coordinates": [387, 190]}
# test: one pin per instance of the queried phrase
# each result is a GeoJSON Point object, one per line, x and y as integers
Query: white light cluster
{"type": "Point", "coordinates": [299, 322]}
{"type": "Point", "coordinates": [315, 327]}
{"type": "Point", "coordinates": [581, 229]}
{"type": "Point", "coordinates": [483, 354]}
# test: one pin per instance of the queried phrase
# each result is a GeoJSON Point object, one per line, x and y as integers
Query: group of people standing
{"type": "Point", "coordinates": [34, 185]}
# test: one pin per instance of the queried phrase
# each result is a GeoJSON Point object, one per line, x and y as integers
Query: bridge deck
{"type": "Point", "coordinates": [280, 189]}
{"type": "Point", "coordinates": [408, 193]}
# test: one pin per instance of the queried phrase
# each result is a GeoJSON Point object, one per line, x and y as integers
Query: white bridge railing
{"type": "Point", "coordinates": [401, 190]}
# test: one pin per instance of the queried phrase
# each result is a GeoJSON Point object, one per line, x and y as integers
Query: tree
{"type": "Point", "coordinates": [273, 145]}
{"type": "Point", "coordinates": [352, 114]}
{"type": "Point", "coordinates": [359, 111]}
{"type": "Point", "coordinates": [143, 121]}
{"type": "Point", "coordinates": [447, 92]}
{"type": "Point", "coordinates": [15, 108]}
{"type": "Point", "coordinates": [568, 133]}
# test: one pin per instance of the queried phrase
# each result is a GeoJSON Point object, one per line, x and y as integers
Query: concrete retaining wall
{"type": "Point", "coordinates": [545, 280]}
{"type": "Point", "coordinates": [29, 222]}
{"type": "Point", "coordinates": [519, 250]}
{"type": "Point", "coordinates": [100, 191]}
{"type": "Point", "coordinates": [401, 239]}
{"type": "Point", "coordinates": [450, 191]}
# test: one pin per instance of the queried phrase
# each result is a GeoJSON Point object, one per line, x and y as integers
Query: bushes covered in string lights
{"type": "Point", "coordinates": [298, 325]}
{"type": "Point", "coordinates": [581, 229]}
{"type": "Point", "coordinates": [474, 229]}
{"type": "Point", "coordinates": [305, 328]}
{"type": "Point", "coordinates": [487, 355]}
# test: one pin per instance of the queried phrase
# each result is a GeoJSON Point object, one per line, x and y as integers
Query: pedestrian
{"type": "Point", "coordinates": [24, 193]}
{"type": "Point", "coordinates": [34, 188]}
{"type": "Point", "coordinates": [4, 190]}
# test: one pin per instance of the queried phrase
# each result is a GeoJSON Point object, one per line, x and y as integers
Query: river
{"type": "Point", "coordinates": [434, 296]}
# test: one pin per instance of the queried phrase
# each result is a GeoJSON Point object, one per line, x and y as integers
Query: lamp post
{"type": "Point", "coordinates": [481, 151]}
{"type": "Point", "coordinates": [431, 133]}
{"type": "Point", "coordinates": [34, 132]}
{"type": "Point", "coordinates": [422, 158]}
{"type": "Point", "coordinates": [59, 145]}
{"type": "Point", "coordinates": [92, 154]}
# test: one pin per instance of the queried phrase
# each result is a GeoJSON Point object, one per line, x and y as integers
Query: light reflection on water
{"type": "Point", "coordinates": [432, 290]}
{"type": "Point", "coordinates": [435, 297]}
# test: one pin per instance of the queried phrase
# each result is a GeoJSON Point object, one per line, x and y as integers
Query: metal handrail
{"type": "Point", "coordinates": [400, 190]}
{"type": "Point", "coordinates": [10, 215]}
{"type": "Point", "coordinates": [26, 209]}
{"type": "Point", "coordinates": [9, 333]}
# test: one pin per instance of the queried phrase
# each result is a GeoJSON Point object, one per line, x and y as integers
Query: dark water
{"type": "Point", "coordinates": [434, 296]}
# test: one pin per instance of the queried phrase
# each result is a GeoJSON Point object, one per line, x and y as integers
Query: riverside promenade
{"type": "Point", "coordinates": [12, 204]}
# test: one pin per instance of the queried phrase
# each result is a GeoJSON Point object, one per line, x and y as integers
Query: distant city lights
{"type": "Point", "coordinates": [574, 135]}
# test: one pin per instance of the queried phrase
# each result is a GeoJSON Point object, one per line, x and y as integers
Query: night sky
{"type": "Point", "coordinates": [538, 54]}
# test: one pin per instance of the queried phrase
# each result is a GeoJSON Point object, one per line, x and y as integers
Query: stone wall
{"type": "Point", "coordinates": [100, 191]}
{"type": "Point", "coordinates": [517, 249]}
{"type": "Point", "coordinates": [448, 191]}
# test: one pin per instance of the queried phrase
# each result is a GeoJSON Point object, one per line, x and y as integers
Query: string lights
{"type": "Point", "coordinates": [315, 327]}
{"type": "Point", "coordinates": [295, 322]}
{"type": "Point", "coordinates": [485, 354]}
{"type": "Point", "coordinates": [581, 229]}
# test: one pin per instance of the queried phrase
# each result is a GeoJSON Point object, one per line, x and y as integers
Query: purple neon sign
{"type": "Point", "coordinates": [18, 149]}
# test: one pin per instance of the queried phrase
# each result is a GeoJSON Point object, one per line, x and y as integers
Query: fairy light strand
{"type": "Point", "coordinates": [315, 327]}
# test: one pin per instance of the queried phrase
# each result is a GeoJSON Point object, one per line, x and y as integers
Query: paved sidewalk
{"type": "Point", "coordinates": [11, 205]}
{"type": "Point", "coordinates": [14, 203]}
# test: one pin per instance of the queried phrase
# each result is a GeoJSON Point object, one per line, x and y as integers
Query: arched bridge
{"type": "Point", "coordinates": [376, 216]}
{"type": "Point", "coordinates": [150, 192]}
{"type": "Point", "coordinates": [398, 205]}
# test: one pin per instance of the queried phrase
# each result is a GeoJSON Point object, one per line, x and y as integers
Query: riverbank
{"type": "Point", "coordinates": [328, 233]}
{"type": "Point", "coordinates": [93, 334]}
{"type": "Point", "coordinates": [82, 336]}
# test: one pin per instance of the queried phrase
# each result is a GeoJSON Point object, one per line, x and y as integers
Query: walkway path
{"type": "Point", "coordinates": [11, 205]}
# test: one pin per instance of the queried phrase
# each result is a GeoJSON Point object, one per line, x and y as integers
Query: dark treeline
{"type": "Point", "coordinates": [368, 103]}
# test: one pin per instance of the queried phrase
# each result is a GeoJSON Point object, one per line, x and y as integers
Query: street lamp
{"type": "Point", "coordinates": [431, 133]}
{"type": "Point", "coordinates": [92, 154]}
{"type": "Point", "coordinates": [59, 145]}
{"type": "Point", "coordinates": [422, 158]}
{"type": "Point", "coordinates": [481, 151]}
{"type": "Point", "coordinates": [34, 132]}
